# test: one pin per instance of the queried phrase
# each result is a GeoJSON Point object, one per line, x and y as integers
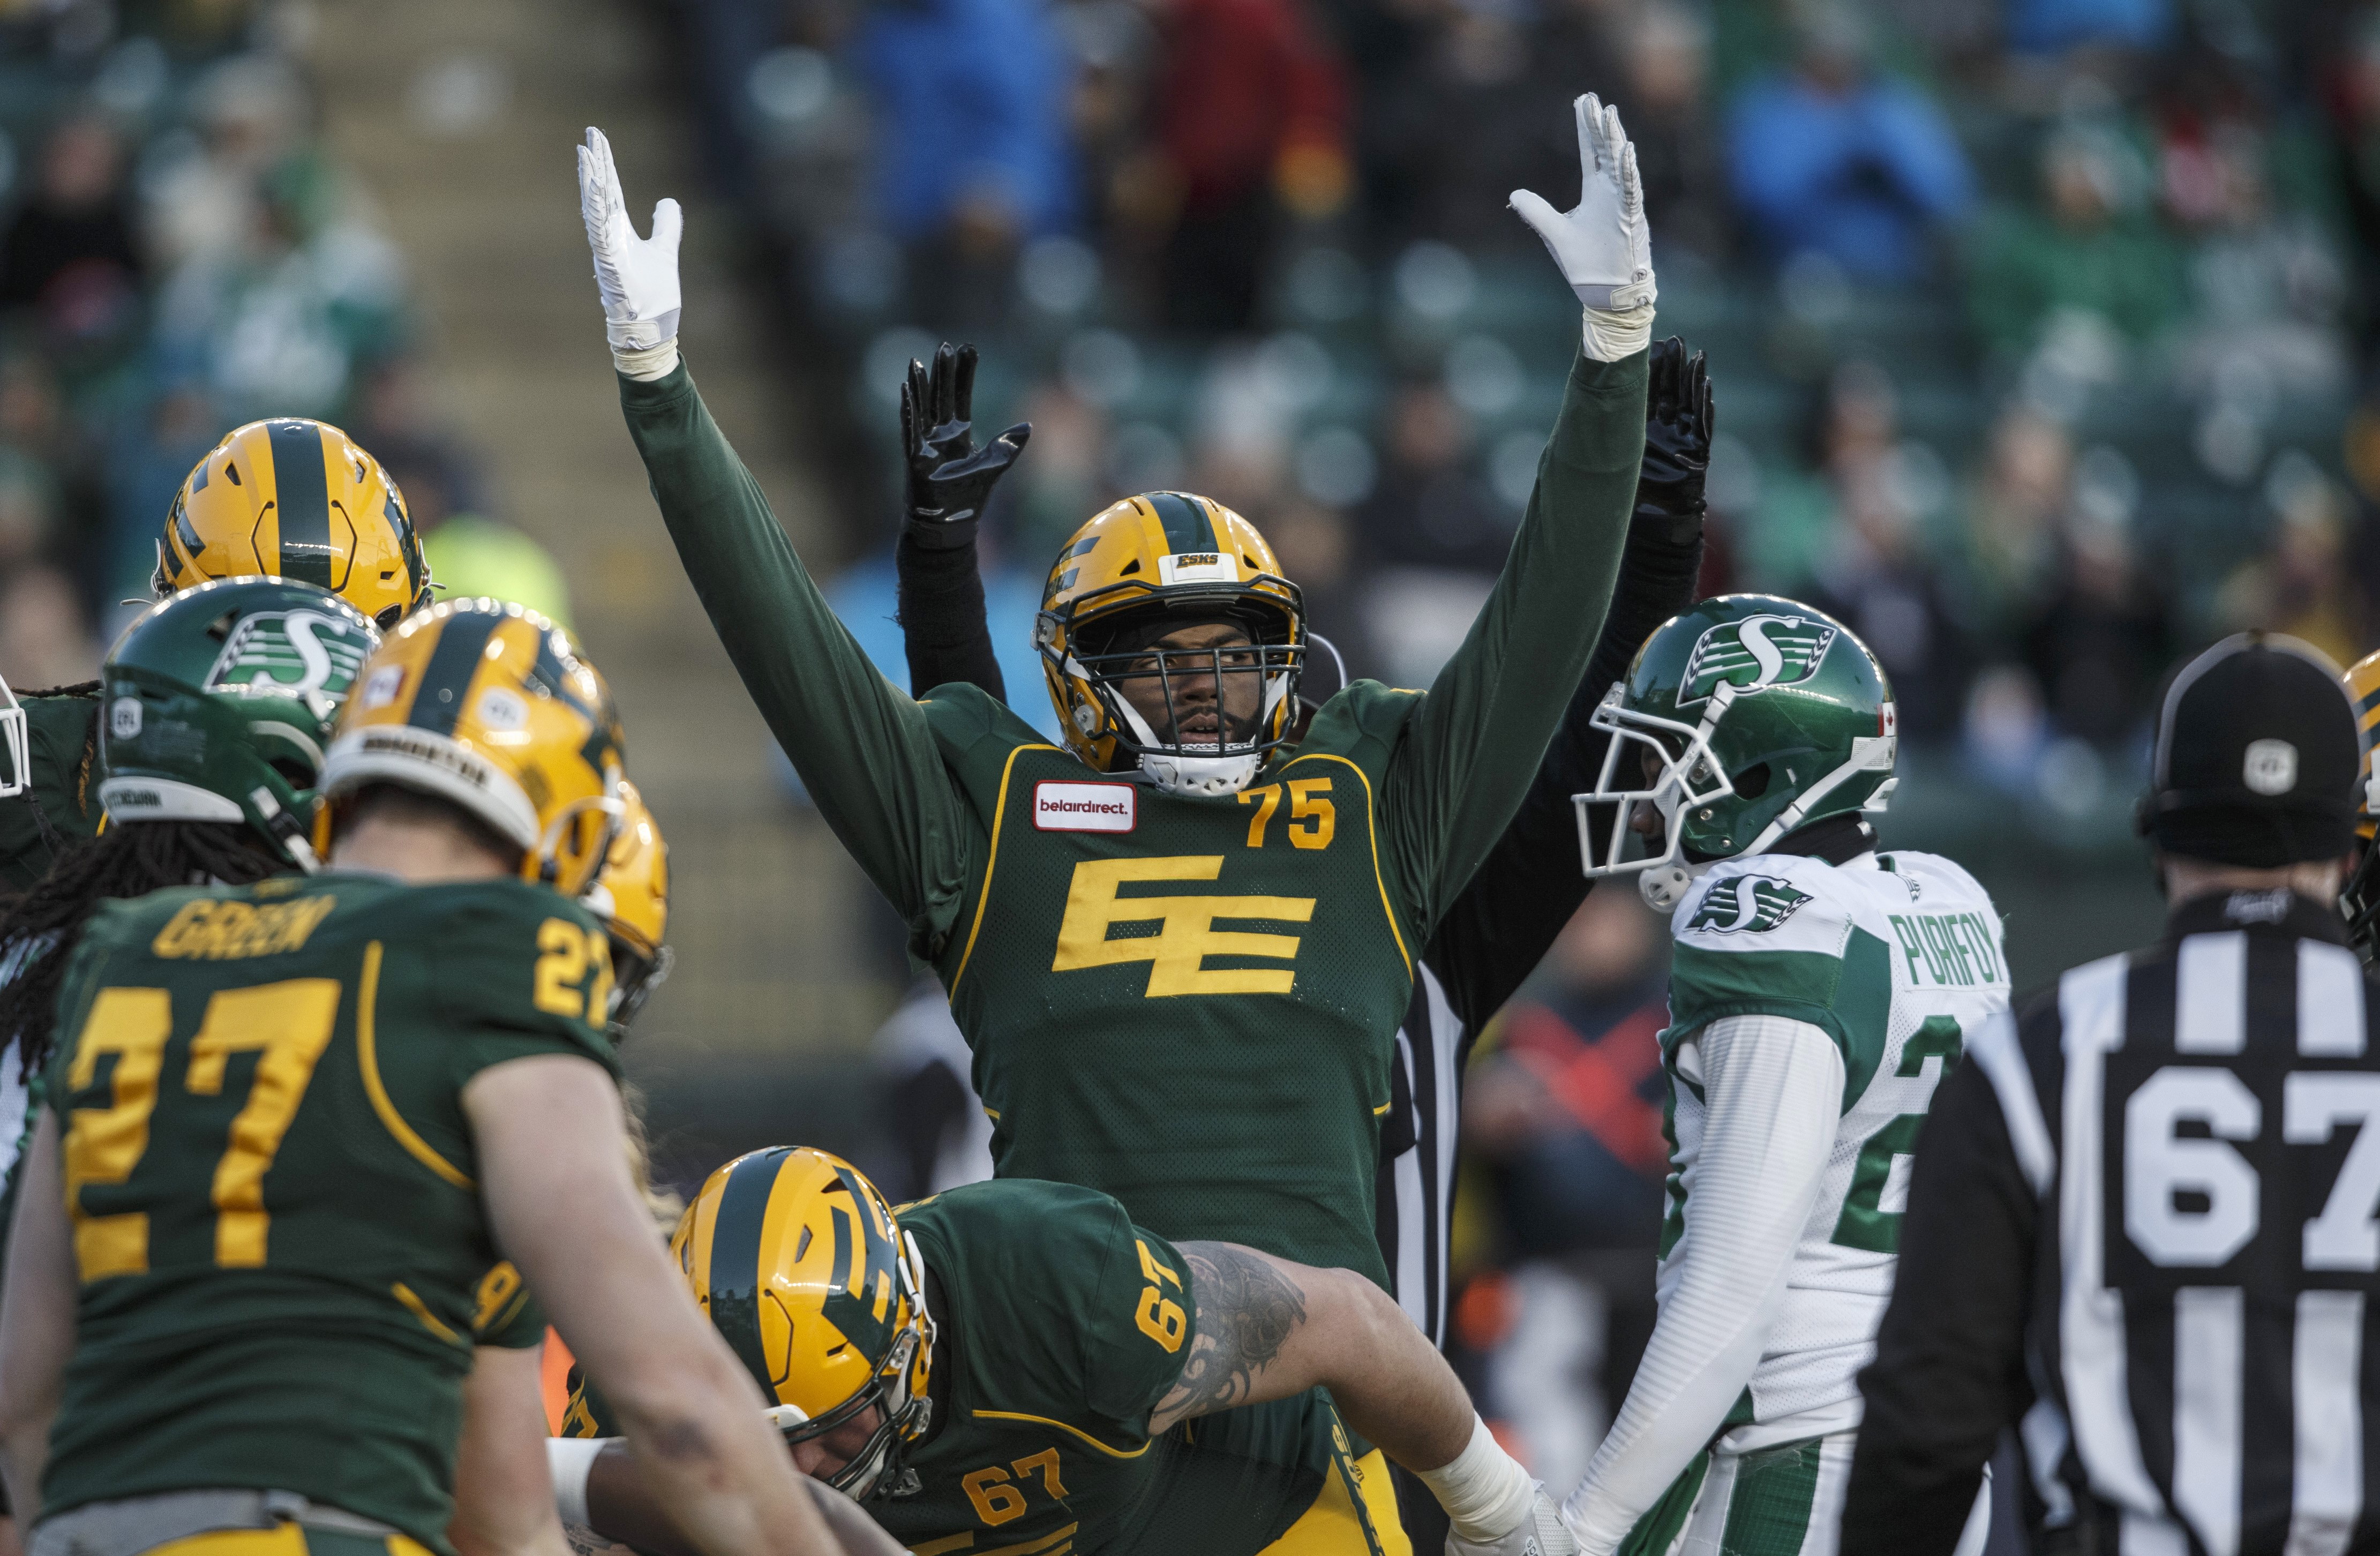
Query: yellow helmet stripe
{"type": "Point", "coordinates": [737, 1239]}
{"type": "Point", "coordinates": [300, 473]}
{"type": "Point", "coordinates": [1152, 531]}
{"type": "Point", "coordinates": [699, 1238]}
{"type": "Point", "coordinates": [259, 487]}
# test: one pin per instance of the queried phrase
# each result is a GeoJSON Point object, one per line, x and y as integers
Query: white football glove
{"type": "Point", "coordinates": [1542, 1533]}
{"type": "Point", "coordinates": [638, 276]}
{"type": "Point", "coordinates": [1602, 244]}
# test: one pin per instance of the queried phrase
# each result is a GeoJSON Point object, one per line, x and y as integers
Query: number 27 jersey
{"type": "Point", "coordinates": [273, 1189]}
{"type": "Point", "coordinates": [1896, 962]}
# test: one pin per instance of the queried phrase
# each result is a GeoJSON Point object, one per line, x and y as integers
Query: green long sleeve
{"type": "Point", "coordinates": [861, 745]}
{"type": "Point", "coordinates": [1471, 749]}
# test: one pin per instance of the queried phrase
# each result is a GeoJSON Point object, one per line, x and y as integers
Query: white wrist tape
{"type": "Point", "coordinates": [1484, 1490]}
{"type": "Point", "coordinates": [659, 361]}
{"type": "Point", "coordinates": [1608, 337]}
{"type": "Point", "coordinates": [570, 1460]}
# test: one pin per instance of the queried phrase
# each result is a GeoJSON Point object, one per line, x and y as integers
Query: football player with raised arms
{"type": "Point", "coordinates": [1180, 867]}
{"type": "Point", "coordinates": [1025, 1381]}
{"type": "Point", "coordinates": [292, 1127]}
{"type": "Point", "coordinates": [1819, 992]}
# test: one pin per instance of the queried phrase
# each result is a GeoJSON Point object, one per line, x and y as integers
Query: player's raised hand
{"type": "Point", "coordinates": [638, 276]}
{"type": "Point", "coordinates": [1601, 244]}
{"type": "Point", "coordinates": [950, 479]}
{"type": "Point", "coordinates": [1679, 415]}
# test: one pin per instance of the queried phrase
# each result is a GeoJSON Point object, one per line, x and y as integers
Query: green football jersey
{"type": "Point", "coordinates": [1111, 977]}
{"type": "Point", "coordinates": [1045, 1374]}
{"type": "Point", "coordinates": [282, 1246]}
{"type": "Point", "coordinates": [58, 732]}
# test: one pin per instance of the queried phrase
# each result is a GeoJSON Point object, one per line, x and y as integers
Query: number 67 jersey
{"type": "Point", "coordinates": [1897, 957]}
{"type": "Point", "coordinates": [277, 1226]}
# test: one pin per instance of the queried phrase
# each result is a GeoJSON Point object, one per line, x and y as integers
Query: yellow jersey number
{"type": "Point", "coordinates": [1312, 820]}
{"type": "Point", "coordinates": [289, 1022]}
{"type": "Point", "coordinates": [565, 955]}
{"type": "Point", "coordinates": [998, 1500]}
{"type": "Point", "coordinates": [1160, 1318]}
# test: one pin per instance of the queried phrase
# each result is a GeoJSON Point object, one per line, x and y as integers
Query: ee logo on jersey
{"type": "Point", "coordinates": [1186, 935]}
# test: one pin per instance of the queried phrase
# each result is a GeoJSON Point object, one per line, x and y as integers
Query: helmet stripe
{"type": "Point", "coordinates": [302, 489]}
{"type": "Point", "coordinates": [462, 640]}
{"type": "Point", "coordinates": [734, 1274]}
{"type": "Point", "coordinates": [1187, 528]}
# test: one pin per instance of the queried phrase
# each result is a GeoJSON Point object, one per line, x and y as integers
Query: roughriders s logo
{"type": "Point", "coordinates": [1754, 655]}
{"type": "Point", "coordinates": [289, 653]}
{"type": "Point", "coordinates": [1747, 904]}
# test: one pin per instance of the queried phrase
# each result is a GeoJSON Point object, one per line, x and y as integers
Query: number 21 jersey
{"type": "Point", "coordinates": [277, 1226]}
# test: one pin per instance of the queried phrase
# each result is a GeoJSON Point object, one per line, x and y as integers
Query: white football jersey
{"type": "Point", "coordinates": [1897, 960]}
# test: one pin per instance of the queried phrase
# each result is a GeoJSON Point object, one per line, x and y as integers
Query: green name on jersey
{"type": "Point", "coordinates": [1948, 948]}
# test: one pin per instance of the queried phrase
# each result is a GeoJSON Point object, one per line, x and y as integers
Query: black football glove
{"type": "Point", "coordinates": [949, 479]}
{"type": "Point", "coordinates": [1678, 418]}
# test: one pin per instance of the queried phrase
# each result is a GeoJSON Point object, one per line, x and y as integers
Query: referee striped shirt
{"type": "Point", "coordinates": [2144, 1229]}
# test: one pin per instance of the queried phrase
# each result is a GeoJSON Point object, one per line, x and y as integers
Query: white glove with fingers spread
{"type": "Point", "coordinates": [1542, 1533]}
{"type": "Point", "coordinates": [1602, 244]}
{"type": "Point", "coordinates": [638, 276]}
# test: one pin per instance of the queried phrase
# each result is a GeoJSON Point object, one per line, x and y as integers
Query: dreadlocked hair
{"type": "Point", "coordinates": [52, 841]}
{"type": "Point", "coordinates": [40, 929]}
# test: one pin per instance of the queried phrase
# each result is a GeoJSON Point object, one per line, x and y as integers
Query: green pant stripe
{"type": "Point", "coordinates": [1769, 1514]}
{"type": "Point", "coordinates": [1663, 1521]}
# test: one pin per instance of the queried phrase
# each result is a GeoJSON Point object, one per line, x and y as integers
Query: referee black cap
{"type": "Point", "coordinates": [2257, 756]}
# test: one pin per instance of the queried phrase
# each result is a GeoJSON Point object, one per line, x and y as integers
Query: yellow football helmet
{"type": "Point", "coordinates": [296, 498]}
{"type": "Point", "coordinates": [2361, 901]}
{"type": "Point", "coordinates": [489, 707]}
{"type": "Point", "coordinates": [1142, 568]}
{"type": "Point", "coordinates": [631, 895]}
{"type": "Point", "coordinates": [798, 1261]}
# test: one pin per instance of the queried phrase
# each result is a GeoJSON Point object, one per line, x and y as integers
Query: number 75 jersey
{"type": "Point", "coordinates": [271, 1185]}
{"type": "Point", "coordinates": [1898, 964]}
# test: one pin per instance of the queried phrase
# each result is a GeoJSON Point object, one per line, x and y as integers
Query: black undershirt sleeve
{"type": "Point", "coordinates": [1948, 1374]}
{"type": "Point", "coordinates": [944, 626]}
{"type": "Point", "coordinates": [1497, 930]}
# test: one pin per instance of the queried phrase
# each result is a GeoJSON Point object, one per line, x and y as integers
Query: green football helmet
{"type": "Point", "coordinates": [218, 704]}
{"type": "Point", "coordinates": [1743, 718]}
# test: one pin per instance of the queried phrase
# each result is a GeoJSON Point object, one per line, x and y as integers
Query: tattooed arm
{"type": "Point", "coordinates": [1266, 1329]}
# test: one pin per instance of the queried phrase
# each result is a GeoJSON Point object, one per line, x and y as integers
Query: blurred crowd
{"type": "Point", "coordinates": [2042, 328]}
{"type": "Point", "coordinates": [180, 253]}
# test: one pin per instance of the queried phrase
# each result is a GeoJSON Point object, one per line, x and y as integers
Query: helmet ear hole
{"type": "Point", "coordinates": [296, 773]}
{"type": "Point", "coordinates": [1752, 782]}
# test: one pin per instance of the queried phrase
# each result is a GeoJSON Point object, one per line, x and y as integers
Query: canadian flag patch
{"type": "Point", "coordinates": [1887, 720]}
{"type": "Point", "coordinates": [1062, 807]}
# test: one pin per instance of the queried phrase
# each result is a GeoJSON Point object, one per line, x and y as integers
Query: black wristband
{"type": "Point", "coordinates": [941, 534]}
